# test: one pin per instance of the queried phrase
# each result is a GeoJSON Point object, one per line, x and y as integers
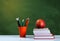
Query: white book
{"type": "Point", "coordinates": [41, 32]}
{"type": "Point", "coordinates": [45, 37]}
{"type": "Point", "coordinates": [42, 35]}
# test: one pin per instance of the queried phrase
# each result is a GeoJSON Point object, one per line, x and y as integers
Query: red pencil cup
{"type": "Point", "coordinates": [22, 31]}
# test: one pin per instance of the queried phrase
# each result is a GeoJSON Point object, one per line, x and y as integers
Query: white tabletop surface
{"type": "Point", "coordinates": [28, 38]}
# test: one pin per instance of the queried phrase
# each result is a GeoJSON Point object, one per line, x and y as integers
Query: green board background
{"type": "Point", "coordinates": [49, 10]}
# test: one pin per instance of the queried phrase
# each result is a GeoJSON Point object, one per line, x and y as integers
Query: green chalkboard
{"type": "Point", "coordinates": [48, 10]}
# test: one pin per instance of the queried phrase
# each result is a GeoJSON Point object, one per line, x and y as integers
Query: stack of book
{"type": "Point", "coordinates": [42, 34]}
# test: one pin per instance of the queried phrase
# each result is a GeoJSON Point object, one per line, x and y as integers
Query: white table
{"type": "Point", "coordinates": [28, 38]}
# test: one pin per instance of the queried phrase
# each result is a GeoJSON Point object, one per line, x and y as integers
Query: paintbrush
{"type": "Point", "coordinates": [27, 22]}
{"type": "Point", "coordinates": [18, 22]}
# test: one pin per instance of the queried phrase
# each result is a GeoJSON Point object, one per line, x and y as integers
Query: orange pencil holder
{"type": "Point", "coordinates": [22, 31]}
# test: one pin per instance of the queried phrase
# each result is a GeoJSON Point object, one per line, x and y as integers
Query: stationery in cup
{"type": "Point", "coordinates": [22, 26]}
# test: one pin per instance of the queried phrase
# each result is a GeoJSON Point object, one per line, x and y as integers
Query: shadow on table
{"type": "Point", "coordinates": [29, 36]}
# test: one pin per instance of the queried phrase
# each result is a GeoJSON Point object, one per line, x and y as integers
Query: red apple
{"type": "Point", "coordinates": [40, 23]}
